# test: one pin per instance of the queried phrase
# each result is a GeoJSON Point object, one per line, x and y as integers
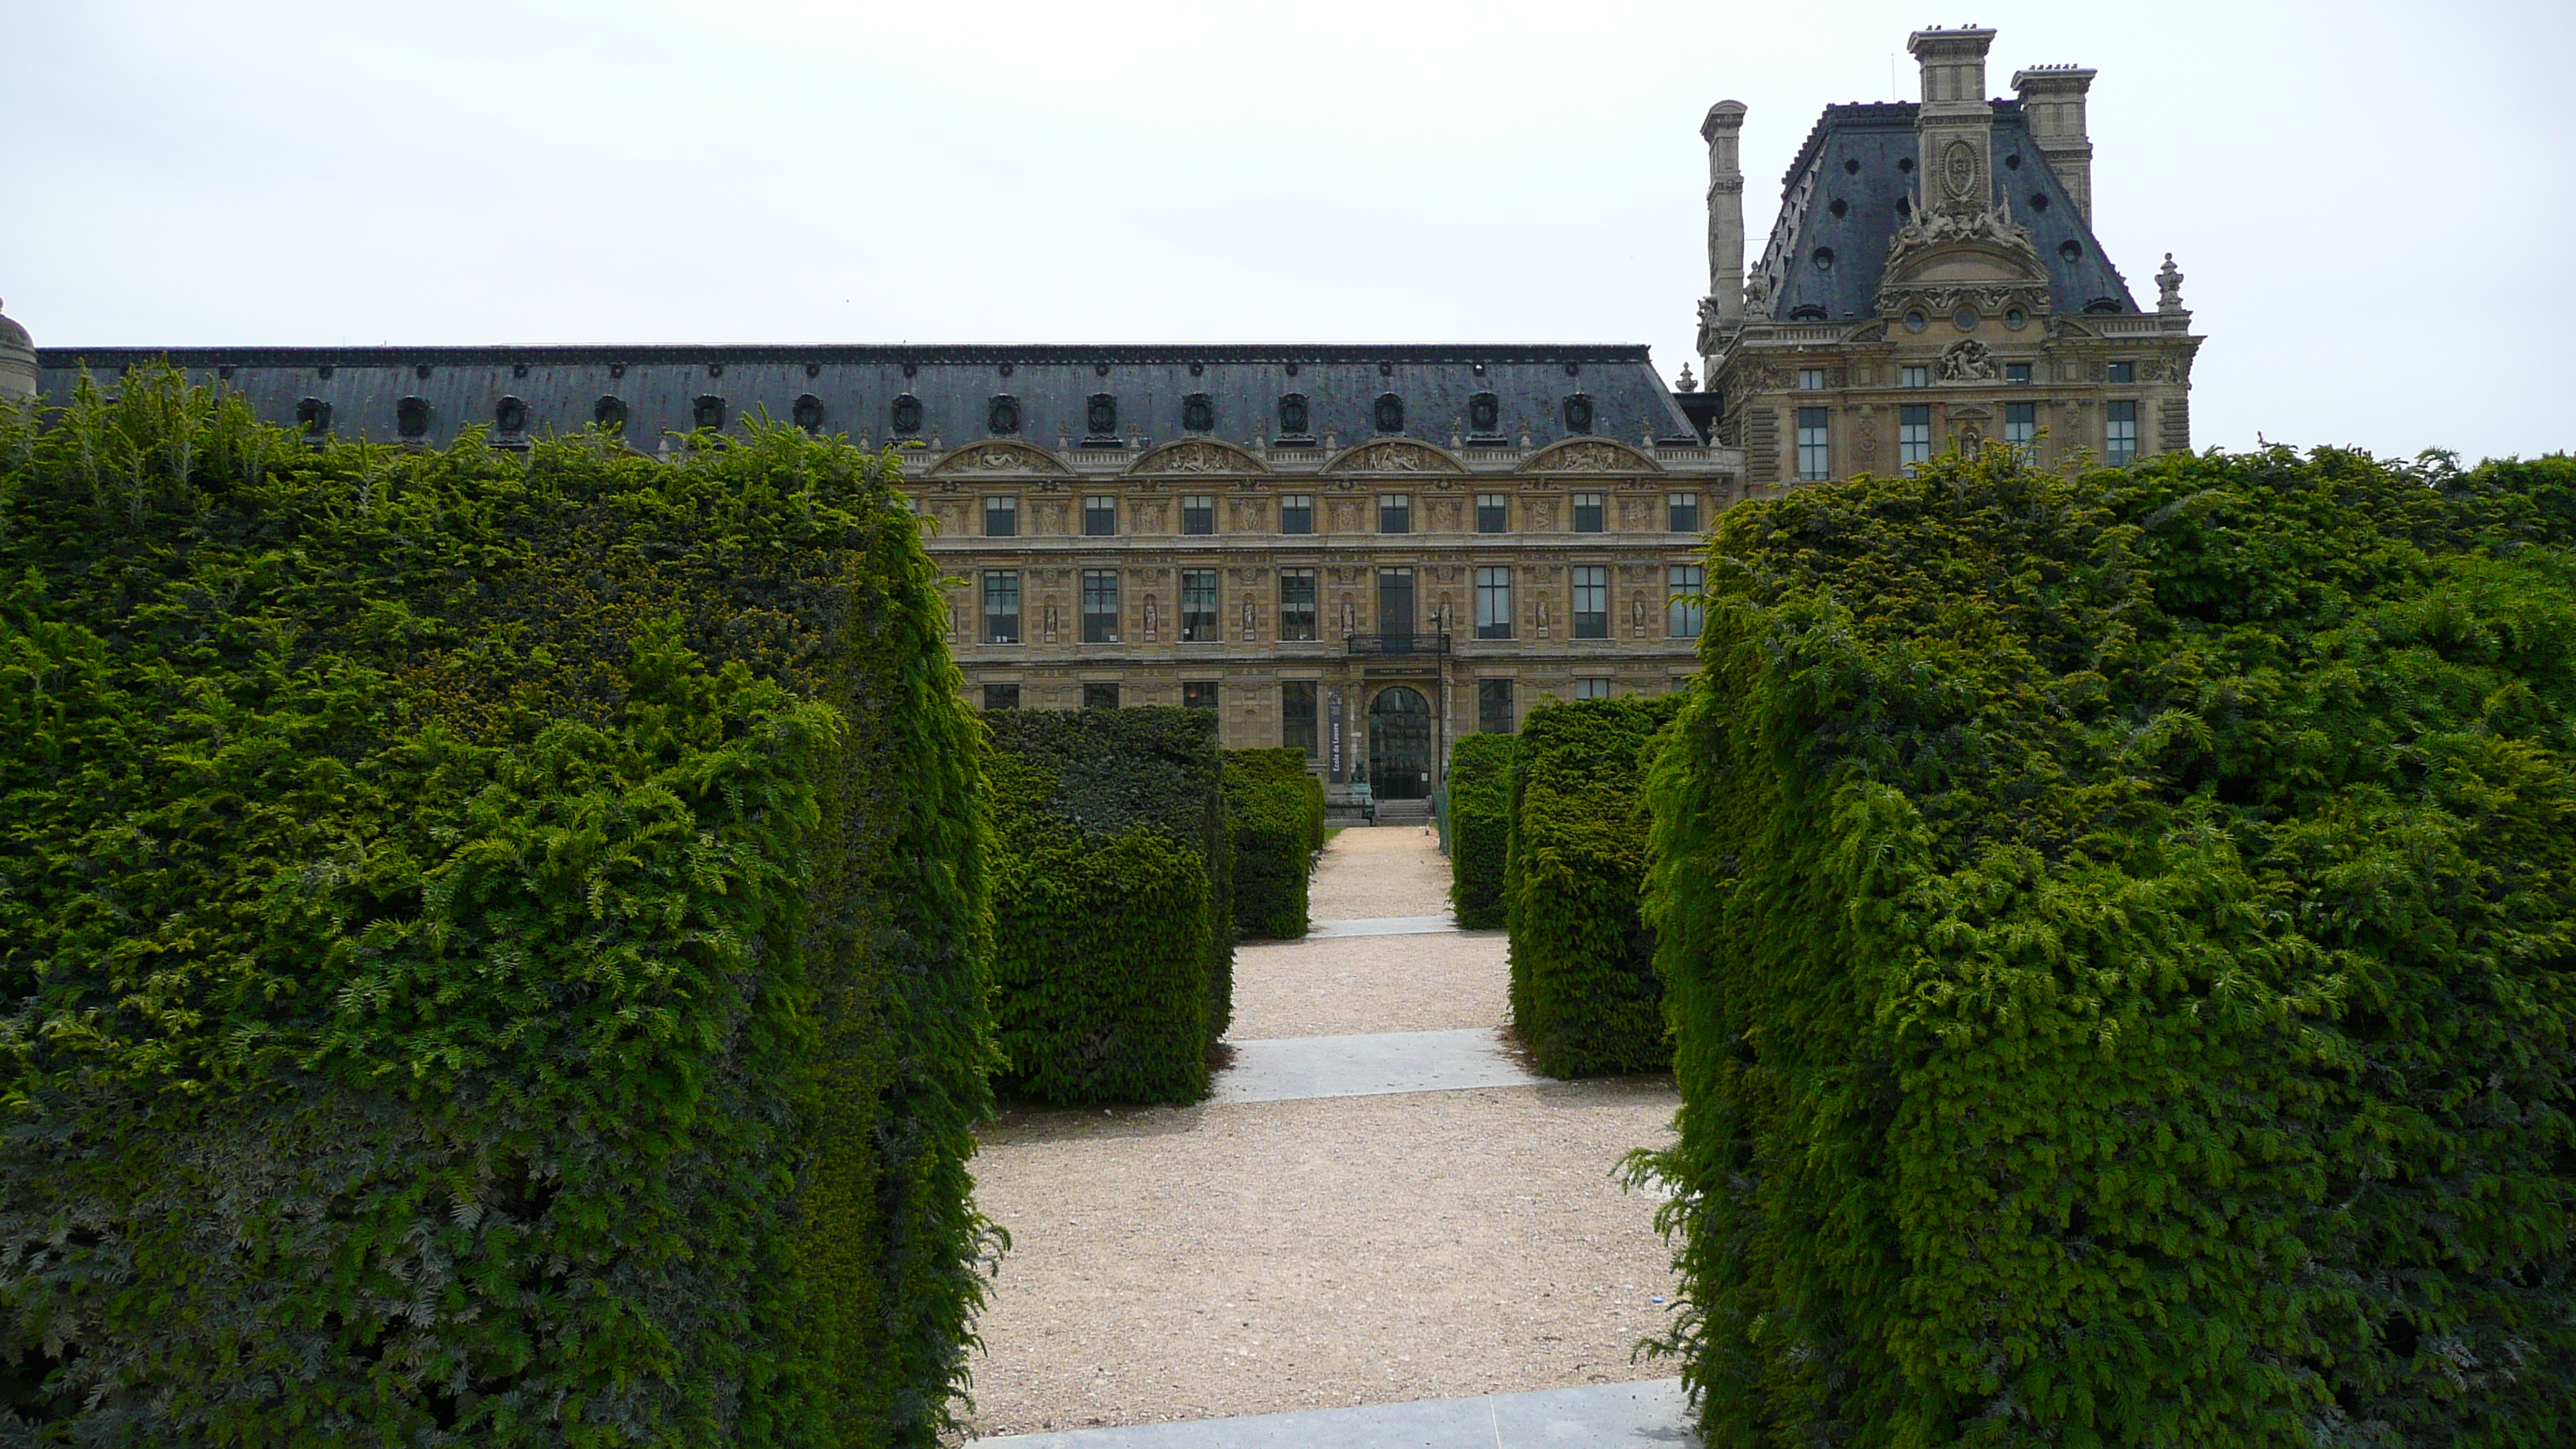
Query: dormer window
{"type": "Point", "coordinates": [1578, 413]}
{"type": "Point", "coordinates": [707, 410]}
{"type": "Point", "coordinates": [510, 415]}
{"type": "Point", "coordinates": [315, 416]}
{"type": "Point", "coordinates": [1807, 312]}
{"type": "Point", "coordinates": [609, 412]}
{"type": "Point", "coordinates": [1002, 416]}
{"type": "Point", "coordinates": [1198, 413]}
{"type": "Point", "coordinates": [807, 412]}
{"type": "Point", "coordinates": [411, 416]}
{"type": "Point", "coordinates": [1100, 415]}
{"type": "Point", "coordinates": [1484, 413]}
{"type": "Point", "coordinates": [1390, 413]}
{"type": "Point", "coordinates": [1292, 415]}
{"type": "Point", "coordinates": [907, 414]}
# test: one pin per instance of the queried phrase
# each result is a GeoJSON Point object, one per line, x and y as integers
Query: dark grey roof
{"type": "Point", "coordinates": [1877, 136]}
{"type": "Point", "coordinates": [955, 385]}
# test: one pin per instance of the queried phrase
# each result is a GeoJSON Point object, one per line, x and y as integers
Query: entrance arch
{"type": "Point", "coordinates": [1399, 762]}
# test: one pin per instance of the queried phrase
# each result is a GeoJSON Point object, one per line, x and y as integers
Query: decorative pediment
{"type": "Point", "coordinates": [1395, 455]}
{"type": "Point", "coordinates": [1590, 455]}
{"type": "Point", "coordinates": [1000, 455]}
{"type": "Point", "coordinates": [1198, 455]}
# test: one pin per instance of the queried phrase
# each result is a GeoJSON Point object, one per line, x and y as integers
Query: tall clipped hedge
{"type": "Point", "coordinates": [1275, 809]}
{"type": "Point", "coordinates": [1583, 986]}
{"type": "Point", "coordinates": [2121, 934]}
{"type": "Point", "coordinates": [1113, 965]}
{"type": "Point", "coordinates": [491, 943]}
{"type": "Point", "coordinates": [1480, 826]}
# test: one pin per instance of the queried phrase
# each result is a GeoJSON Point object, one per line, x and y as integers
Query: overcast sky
{"type": "Point", "coordinates": [2372, 203]}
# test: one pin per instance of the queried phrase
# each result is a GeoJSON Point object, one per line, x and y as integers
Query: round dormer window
{"type": "Point", "coordinates": [2016, 319]}
{"type": "Point", "coordinates": [1965, 319]}
{"type": "Point", "coordinates": [1916, 322]}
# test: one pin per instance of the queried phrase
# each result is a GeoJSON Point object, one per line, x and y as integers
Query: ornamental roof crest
{"type": "Point", "coordinates": [1198, 455]}
{"type": "Point", "coordinates": [1590, 455]}
{"type": "Point", "coordinates": [1000, 455]}
{"type": "Point", "coordinates": [1395, 455]}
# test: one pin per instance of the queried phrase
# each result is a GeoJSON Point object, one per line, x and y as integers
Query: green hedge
{"type": "Point", "coordinates": [491, 942]}
{"type": "Point", "coordinates": [1275, 808]}
{"type": "Point", "coordinates": [1480, 826]}
{"type": "Point", "coordinates": [1113, 967]}
{"type": "Point", "coordinates": [1583, 986]}
{"type": "Point", "coordinates": [2121, 934]}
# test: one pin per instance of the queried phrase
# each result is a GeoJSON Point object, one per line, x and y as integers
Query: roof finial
{"type": "Point", "coordinates": [1687, 383]}
{"type": "Point", "coordinates": [2169, 287]}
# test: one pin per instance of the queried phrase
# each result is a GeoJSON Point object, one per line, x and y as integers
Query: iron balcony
{"type": "Point", "coordinates": [1382, 646]}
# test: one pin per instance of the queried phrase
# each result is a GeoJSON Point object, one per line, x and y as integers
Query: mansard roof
{"type": "Point", "coordinates": [954, 386]}
{"type": "Point", "coordinates": [1852, 156]}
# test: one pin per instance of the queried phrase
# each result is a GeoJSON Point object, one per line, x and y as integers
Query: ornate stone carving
{"type": "Point", "coordinates": [1591, 455]}
{"type": "Point", "coordinates": [1968, 360]}
{"type": "Point", "coordinates": [1394, 457]}
{"type": "Point", "coordinates": [2168, 287]}
{"type": "Point", "coordinates": [1000, 457]}
{"type": "Point", "coordinates": [1198, 455]}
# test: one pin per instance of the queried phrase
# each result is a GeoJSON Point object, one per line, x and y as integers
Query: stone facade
{"type": "Point", "coordinates": [1932, 282]}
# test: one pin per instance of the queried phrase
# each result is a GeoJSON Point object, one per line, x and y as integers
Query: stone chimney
{"type": "Point", "coordinates": [1725, 212]}
{"type": "Point", "coordinates": [1956, 125]}
{"type": "Point", "coordinates": [2052, 103]}
{"type": "Point", "coordinates": [17, 361]}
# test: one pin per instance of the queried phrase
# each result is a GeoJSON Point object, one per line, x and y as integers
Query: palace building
{"type": "Point", "coordinates": [1367, 551]}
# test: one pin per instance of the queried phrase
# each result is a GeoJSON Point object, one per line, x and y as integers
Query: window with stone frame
{"type": "Point", "coordinates": [1296, 513]}
{"type": "Point", "coordinates": [1914, 377]}
{"type": "Point", "coordinates": [1588, 512]}
{"type": "Point", "coordinates": [1001, 516]}
{"type": "Point", "coordinates": [1297, 715]}
{"type": "Point", "coordinates": [1296, 605]}
{"type": "Point", "coordinates": [1494, 706]}
{"type": "Point", "coordinates": [1198, 513]}
{"type": "Point", "coordinates": [1001, 696]}
{"type": "Point", "coordinates": [1493, 603]}
{"type": "Point", "coordinates": [1395, 513]}
{"type": "Point", "coordinates": [1682, 585]}
{"type": "Point", "coordinates": [2120, 432]}
{"type": "Point", "coordinates": [1592, 687]}
{"type": "Point", "coordinates": [1681, 512]}
{"type": "Point", "coordinates": [1815, 453]}
{"type": "Point", "coordinates": [1001, 606]}
{"type": "Point", "coordinates": [1591, 601]}
{"type": "Point", "coordinates": [1100, 696]}
{"type": "Point", "coordinates": [1099, 606]}
{"type": "Point", "coordinates": [2021, 425]}
{"type": "Point", "coordinates": [1493, 512]}
{"type": "Point", "coordinates": [1913, 434]}
{"type": "Point", "coordinates": [1100, 518]}
{"type": "Point", "coordinates": [1200, 623]}
{"type": "Point", "coordinates": [1198, 694]}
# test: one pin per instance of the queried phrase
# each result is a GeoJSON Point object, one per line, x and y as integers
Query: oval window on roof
{"type": "Point", "coordinates": [1292, 415]}
{"type": "Point", "coordinates": [1484, 413]}
{"type": "Point", "coordinates": [1824, 259]}
{"type": "Point", "coordinates": [907, 414]}
{"type": "Point", "coordinates": [609, 412]}
{"type": "Point", "coordinates": [1390, 413]}
{"type": "Point", "coordinates": [807, 412]}
{"type": "Point", "coordinates": [411, 416]}
{"type": "Point", "coordinates": [1807, 312]}
{"type": "Point", "coordinates": [510, 415]}
{"type": "Point", "coordinates": [314, 414]}
{"type": "Point", "coordinates": [2070, 250]}
{"type": "Point", "coordinates": [707, 410]}
{"type": "Point", "coordinates": [1002, 417]}
{"type": "Point", "coordinates": [1578, 413]}
{"type": "Point", "coordinates": [1100, 414]}
{"type": "Point", "coordinates": [1198, 413]}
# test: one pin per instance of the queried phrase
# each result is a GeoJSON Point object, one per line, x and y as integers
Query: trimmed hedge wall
{"type": "Point", "coordinates": [2122, 943]}
{"type": "Point", "coordinates": [1113, 968]}
{"type": "Point", "coordinates": [491, 942]}
{"type": "Point", "coordinates": [1275, 808]}
{"type": "Point", "coordinates": [1480, 826]}
{"type": "Point", "coordinates": [1583, 987]}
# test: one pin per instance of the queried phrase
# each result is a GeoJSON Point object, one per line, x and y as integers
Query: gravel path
{"type": "Point", "coordinates": [1369, 983]}
{"type": "Point", "coordinates": [1380, 870]}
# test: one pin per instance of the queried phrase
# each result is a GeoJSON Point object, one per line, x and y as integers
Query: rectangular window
{"type": "Point", "coordinates": [1493, 603]}
{"type": "Point", "coordinates": [1681, 512]}
{"type": "Point", "coordinates": [1099, 606]}
{"type": "Point", "coordinates": [1001, 607]}
{"type": "Point", "coordinates": [1198, 513]}
{"type": "Point", "coordinates": [2021, 424]}
{"type": "Point", "coordinates": [1100, 518]}
{"type": "Point", "coordinates": [1395, 603]}
{"type": "Point", "coordinates": [1100, 696]}
{"type": "Point", "coordinates": [1494, 706]}
{"type": "Point", "coordinates": [1815, 456]}
{"type": "Point", "coordinates": [1914, 377]}
{"type": "Point", "coordinates": [1296, 513]}
{"type": "Point", "coordinates": [1593, 688]}
{"type": "Point", "coordinates": [1001, 517]}
{"type": "Point", "coordinates": [1296, 604]}
{"type": "Point", "coordinates": [1198, 607]}
{"type": "Point", "coordinates": [2120, 434]}
{"type": "Point", "coordinates": [1587, 513]}
{"type": "Point", "coordinates": [1811, 379]}
{"type": "Point", "coordinates": [1682, 584]}
{"type": "Point", "coordinates": [2122, 372]}
{"type": "Point", "coordinates": [1493, 512]}
{"type": "Point", "coordinates": [1591, 602]}
{"type": "Point", "coordinates": [1001, 696]}
{"type": "Point", "coordinates": [2016, 372]}
{"type": "Point", "coordinates": [1913, 435]}
{"type": "Point", "coordinates": [1394, 513]}
{"type": "Point", "coordinates": [1198, 694]}
{"type": "Point", "coordinates": [1297, 715]}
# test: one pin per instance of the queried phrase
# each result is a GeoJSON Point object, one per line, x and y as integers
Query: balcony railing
{"type": "Point", "coordinates": [1384, 646]}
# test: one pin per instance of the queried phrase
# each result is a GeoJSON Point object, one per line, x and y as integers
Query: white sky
{"type": "Point", "coordinates": [2372, 202]}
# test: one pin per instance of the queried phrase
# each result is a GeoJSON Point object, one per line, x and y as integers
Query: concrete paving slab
{"type": "Point", "coordinates": [1591, 1416]}
{"type": "Point", "coordinates": [1380, 926]}
{"type": "Point", "coordinates": [1294, 1068]}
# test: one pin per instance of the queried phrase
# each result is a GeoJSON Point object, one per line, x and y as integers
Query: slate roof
{"type": "Point", "coordinates": [954, 384]}
{"type": "Point", "coordinates": [1856, 148]}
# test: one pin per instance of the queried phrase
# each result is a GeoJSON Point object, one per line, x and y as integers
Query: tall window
{"type": "Point", "coordinates": [2120, 434]}
{"type": "Point", "coordinates": [1394, 513]}
{"type": "Point", "coordinates": [1815, 457]}
{"type": "Point", "coordinates": [1592, 688]}
{"type": "Point", "coordinates": [1198, 513]}
{"type": "Point", "coordinates": [1681, 600]}
{"type": "Point", "coordinates": [1198, 694]}
{"type": "Point", "coordinates": [2021, 425]}
{"type": "Point", "coordinates": [1296, 513]}
{"type": "Point", "coordinates": [1493, 603]}
{"type": "Point", "coordinates": [1913, 435]}
{"type": "Point", "coordinates": [1001, 607]}
{"type": "Point", "coordinates": [1001, 696]}
{"type": "Point", "coordinates": [1681, 512]}
{"type": "Point", "coordinates": [1297, 715]}
{"type": "Point", "coordinates": [1914, 377]}
{"type": "Point", "coordinates": [1100, 518]}
{"type": "Point", "coordinates": [1001, 517]}
{"type": "Point", "coordinates": [1199, 623]}
{"type": "Point", "coordinates": [1099, 606]}
{"type": "Point", "coordinates": [1587, 513]}
{"type": "Point", "coordinates": [1494, 706]}
{"type": "Point", "coordinates": [1296, 604]}
{"type": "Point", "coordinates": [1493, 512]}
{"type": "Point", "coordinates": [1100, 696]}
{"type": "Point", "coordinates": [1395, 603]}
{"type": "Point", "coordinates": [1591, 602]}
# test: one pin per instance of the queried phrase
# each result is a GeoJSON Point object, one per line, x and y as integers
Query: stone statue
{"type": "Point", "coordinates": [2169, 287]}
{"type": "Point", "coordinates": [1968, 360]}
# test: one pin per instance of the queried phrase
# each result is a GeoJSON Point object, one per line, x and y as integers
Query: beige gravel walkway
{"type": "Point", "coordinates": [1173, 1264]}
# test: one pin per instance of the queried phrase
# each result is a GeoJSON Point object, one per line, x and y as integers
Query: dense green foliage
{"type": "Point", "coordinates": [1480, 823]}
{"type": "Point", "coordinates": [491, 943]}
{"type": "Point", "coordinates": [1274, 806]}
{"type": "Point", "coordinates": [2120, 933]}
{"type": "Point", "coordinates": [1583, 987]}
{"type": "Point", "coordinates": [1113, 962]}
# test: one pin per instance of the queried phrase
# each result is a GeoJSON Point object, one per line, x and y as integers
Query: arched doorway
{"type": "Point", "coordinates": [1399, 763]}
